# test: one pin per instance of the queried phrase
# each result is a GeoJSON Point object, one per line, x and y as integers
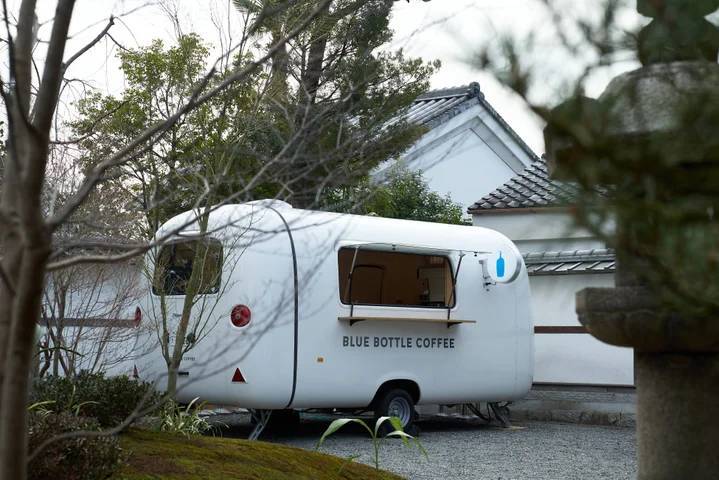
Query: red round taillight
{"type": "Point", "coordinates": [138, 317]}
{"type": "Point", "coordinates": [241, 315]}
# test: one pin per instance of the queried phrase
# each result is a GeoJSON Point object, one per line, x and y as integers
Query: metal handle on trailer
{"type": "Point", "coordinates": [348, 290]}
{"type": "Point", "coordinates": [454, 287]}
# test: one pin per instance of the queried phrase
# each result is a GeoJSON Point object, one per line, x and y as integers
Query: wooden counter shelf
{"type": "Point", "coordinates": [361, 318]}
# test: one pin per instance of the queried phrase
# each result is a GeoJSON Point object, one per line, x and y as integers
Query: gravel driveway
{"type": "Point", "coordinates": [461, 449]}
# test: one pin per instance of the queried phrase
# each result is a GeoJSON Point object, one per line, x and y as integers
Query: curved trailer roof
{"type": "Point", "coordinates": [314, 228]}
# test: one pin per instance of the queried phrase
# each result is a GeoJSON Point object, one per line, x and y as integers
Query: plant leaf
{"type": "Point", "coordinates": [337, 424]}
{"type": "Point", "coordinates": [39, 404]}
{"type": "Point", "coordinates": [406, 439]}
{"type": "Point", "coordinates": [421, 448]}
{"type": "Point", "coordinates": [396, 423]}
{"type": "Point", "coordinates": [380, 421]}
{"type": "Point", "coordinates": [252, 6]}
{"type": "Point", "coordinates": [189, 405]}
{"type": "Point", "coordinates": [400, 434]}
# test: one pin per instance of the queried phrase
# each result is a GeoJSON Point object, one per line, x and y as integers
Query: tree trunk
{"type": "Point", "coordinates": [29, 243]}
{"type": "Point", "coordinates": [312, 74]}
{"type": "Point", "coordinates": [279, 72]}
{"type": "Point", "coordinates": [13, 403]}
{"type": "Point", "coordinates": [34, 246]}
{"type": "Point", "coordinates": [9, 245]}
{"type": "Point", "coordinates": [306, 97]}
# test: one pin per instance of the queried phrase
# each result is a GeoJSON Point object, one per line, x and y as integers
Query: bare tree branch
{"type": "Point", "coordinates": [118, 44]}
{"type": "Point", "coordinates": [91, 129]}
{"type": "Point", "coordinates": [21, 54]}
{"type": "Point", "coordinates": [53, 73]}
{"type": "Point", "coordinates": [95, 176]}
{"type": "Point", "coordinates": [90, 44]}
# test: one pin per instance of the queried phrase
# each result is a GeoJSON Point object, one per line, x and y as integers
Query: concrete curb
{"type": "Point", "coordinates": [589, 405]}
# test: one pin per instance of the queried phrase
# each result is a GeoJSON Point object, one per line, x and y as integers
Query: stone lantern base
{"type": "Point", "coordinates": [677, 415]}
{"type": "Point", "coordinates": [676, 366]}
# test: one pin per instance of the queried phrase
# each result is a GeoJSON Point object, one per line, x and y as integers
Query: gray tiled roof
{"type": "Point", "coordinates": [530, 189]}
{"type": "Point", "coordinates": [437, 106]}
{"type": "Point", "coordinates": [571, 262]}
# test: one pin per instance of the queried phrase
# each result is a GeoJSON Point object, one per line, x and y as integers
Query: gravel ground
{"type": "Point", "coordinates": [462, 449]}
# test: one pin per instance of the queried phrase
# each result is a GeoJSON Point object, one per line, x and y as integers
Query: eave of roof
{"type": "Point", "coordinates": [438, 106]}
{"type": "Point", "coordinates": [521, 210]}
{"type": "Point", "coordinates": [571, 262]}
{"type": "Point", "coordinates": [530, 191]}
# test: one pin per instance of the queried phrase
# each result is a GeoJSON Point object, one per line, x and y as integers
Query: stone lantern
{"type": "Point", "coordinates": [649, 146]}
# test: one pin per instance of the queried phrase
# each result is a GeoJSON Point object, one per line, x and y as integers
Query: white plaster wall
{"type": "Point", "coordinates": [573, 358]}
{"type": "Point", "coordinates": [563, 358]}
{"type": "Point", "coordinates": [466, 118]}
{"type": "Point", "coordinates": [456, 160]}
{"type": "Point", "coordinates": [463, 167]}
{"type": "Point", "coordinates": [535, 225]}
{"type": "Point", "coordinates": [503, 135]}
{"type": "Point", "coordinates": [445, 128]}
{"type": "Point", "coordinates": [540, 231]}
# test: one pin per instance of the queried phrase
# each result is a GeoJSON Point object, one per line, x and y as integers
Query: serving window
{"type": "Point", "coordinates": [376, 277]}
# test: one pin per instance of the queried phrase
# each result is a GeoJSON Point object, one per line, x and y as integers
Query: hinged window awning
{"type": "Point", "coordinates": [404, 248]}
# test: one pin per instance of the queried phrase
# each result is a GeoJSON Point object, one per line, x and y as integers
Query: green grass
{"type": "Point", "coordinates": [155, 455]}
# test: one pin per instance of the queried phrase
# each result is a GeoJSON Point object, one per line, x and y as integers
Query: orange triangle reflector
{"type": "Point", "coordinates": [237, 377]}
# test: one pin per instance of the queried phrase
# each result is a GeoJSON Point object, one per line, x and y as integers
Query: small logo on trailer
{"type": "Point", "coordinates": [500, 266]}
{"type": "Point", "coordinates": [238, 377]}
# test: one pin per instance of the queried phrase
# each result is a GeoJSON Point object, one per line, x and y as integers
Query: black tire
{"type": "Point", "coordinates": [398, 403]}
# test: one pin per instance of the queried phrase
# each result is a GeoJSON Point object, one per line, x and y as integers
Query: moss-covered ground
{"type": "Point", "coordinates": [155, 455]}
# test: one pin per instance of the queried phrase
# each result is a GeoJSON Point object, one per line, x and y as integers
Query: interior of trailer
{"type": "Point", "coordinates": [394, 278]}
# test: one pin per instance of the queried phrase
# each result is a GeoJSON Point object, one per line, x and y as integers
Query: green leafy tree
{"type": "Point", "coordinates": [268, 137]}
{"type": "Point", "coordinates": [189, 164]}
{"type": "Point", "coordinates": [263, 138]}
{"type": "Point", "coordinates": [29, 231]}
{"type": "Point", "coordinates": [333, 96]}
{"type": "Point", "coordinates": [403, 194]}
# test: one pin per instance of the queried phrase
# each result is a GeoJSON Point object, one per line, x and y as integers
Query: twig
{"type": "Point", "coordinates": [90, 44]}
{"type": "Point", "coordinates": [196, 100]}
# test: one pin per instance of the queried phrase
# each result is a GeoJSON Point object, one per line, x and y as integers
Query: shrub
{"type": "Point", "coordinates": [109, 400]}
{"type": "Point", "coordinates": [75, 458]}
{"type": "Point", "coordinates": [186, 421]}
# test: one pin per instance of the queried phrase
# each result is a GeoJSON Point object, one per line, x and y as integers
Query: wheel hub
{"type": "Point", "coordinates": [400, 408]}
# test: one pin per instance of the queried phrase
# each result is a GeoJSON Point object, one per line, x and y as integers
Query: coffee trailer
{"type": "Point", "coordinates": [306, 309]}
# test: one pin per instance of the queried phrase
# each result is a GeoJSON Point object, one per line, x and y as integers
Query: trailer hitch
{"type": "Point", "coordinates": [261, 417]}
{"type": "Point", "coordinates": [494, 410]}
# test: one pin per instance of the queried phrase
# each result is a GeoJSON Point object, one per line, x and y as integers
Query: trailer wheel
{"type": "Point", "coordinates": [395, 403]}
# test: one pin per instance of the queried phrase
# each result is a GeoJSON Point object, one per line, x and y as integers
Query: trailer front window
{"type": "Point", "coordinates": [374, 277]}
{"type": "Point", "coordinates": [187, 266]}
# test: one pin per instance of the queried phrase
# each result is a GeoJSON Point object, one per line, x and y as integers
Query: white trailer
{"type": "Point", "coordinates": [322, 310]}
